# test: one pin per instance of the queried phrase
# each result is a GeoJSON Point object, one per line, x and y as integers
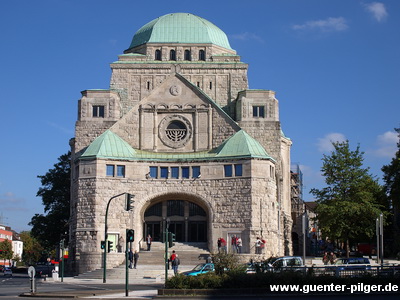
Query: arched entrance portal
{"type": "Point", "coordinates": [186, 219]}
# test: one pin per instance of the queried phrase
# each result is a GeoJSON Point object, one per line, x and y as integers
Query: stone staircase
{"type": "Point", "coordinates": [151, 264]}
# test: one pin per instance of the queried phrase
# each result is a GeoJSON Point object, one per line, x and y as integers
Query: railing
{"type": "Point", "coordinates": [338, 271]}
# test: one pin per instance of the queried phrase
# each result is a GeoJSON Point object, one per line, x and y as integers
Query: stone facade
{"type": "Point", "coordinates": [170, 132]}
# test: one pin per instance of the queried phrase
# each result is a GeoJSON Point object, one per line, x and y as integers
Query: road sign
{"type": "Point", "coordinates": [31, 272]}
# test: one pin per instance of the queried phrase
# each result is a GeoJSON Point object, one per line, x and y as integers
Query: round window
{"type": "Point", "coordinates": [175, 131]}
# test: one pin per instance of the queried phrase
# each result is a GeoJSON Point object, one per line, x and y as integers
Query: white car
{"type": "Point", "coordinates": [7, 271]}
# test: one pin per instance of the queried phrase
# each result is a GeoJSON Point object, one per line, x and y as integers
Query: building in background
{"type": "Point", "coordinates": [180, 129]}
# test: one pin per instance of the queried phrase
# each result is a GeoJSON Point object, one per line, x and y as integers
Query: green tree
{"type": "Point", "coordinates": [32, 249]}
{"type": "Point", "coordinates": [6, 252]}
{"type": "Point", "coordinates": [55, 193]}
{"type": "Point", "coordinates": [350, 203]}
{"type": "Point", "coordinates": [391, 178]}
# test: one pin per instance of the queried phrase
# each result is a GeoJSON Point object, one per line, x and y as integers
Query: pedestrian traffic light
{"type": "Point", "coordinates": [129, 201]}
{"type": "Point", "coordinates": [171, 239]}
{"type": "Point", "coordinates": [109, 246]}
{"type": "Point", "coordinates": [130, 235]}
{"type": "Point", "coordinates": [103, 245]}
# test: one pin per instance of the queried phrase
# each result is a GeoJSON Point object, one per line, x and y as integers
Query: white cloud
{"type": "Point", "coordinates": [378, 10]}
{"type": "Point", "coordinates": [246, 36]}
{"type": "Point", "coordinates": [387, 144]}
{"type": "Point", "coordinates": [325, 144]}
{"type": "Point", "coordinates": [327, 25]}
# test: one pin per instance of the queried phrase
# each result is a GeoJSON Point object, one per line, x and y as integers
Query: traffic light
{"type": "Point", "coordinates": [130, 235]}
{"type": "Point", "coordinates": [109, 246]}
{"type": "Point", "coordinates": [129, 201]}
{"type": "Point", "coordinates": [103, 245]}
{"type": "Point", "coordinates": [171, 239]}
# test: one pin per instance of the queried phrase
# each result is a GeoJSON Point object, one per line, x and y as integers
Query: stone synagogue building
{"type": "Point", "coordinates": [180, 129]}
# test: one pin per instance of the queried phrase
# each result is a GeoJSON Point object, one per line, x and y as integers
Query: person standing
{"type": "Point", "coordinates": [223, 245]}
{"type": "Point", "coordinates": [234, 244]}
{"type": "Point", "coordinates": [135, 259]}
{"type": "Point", "coordinates": [148, 242]}
{"type": "Point", "coordinates": [130, 256]}
{"type": "Point", "coordinates": [239, 245]}
{"type": "Point", "coordinates": [258, 246]}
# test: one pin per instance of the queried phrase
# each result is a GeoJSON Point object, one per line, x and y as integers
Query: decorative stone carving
{"type": "Point", "coordinates": [175, 90]}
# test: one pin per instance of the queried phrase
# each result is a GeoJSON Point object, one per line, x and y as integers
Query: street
{"type": "Point", "coordinates": [19, 284]}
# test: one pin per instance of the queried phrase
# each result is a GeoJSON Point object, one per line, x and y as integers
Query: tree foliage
{"type": "Point", "coordinates": [55, 194]}
{"type": "Point", "coordinates": [32, 250]}
{"type": "Point", "coordinates": [391, 178]}
{"type": "Point", "coordinates": [6, 250]}
{"type": "Point", "coordinates": [352, 199]}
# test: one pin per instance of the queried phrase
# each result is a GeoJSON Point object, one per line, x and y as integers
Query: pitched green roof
{"type": "Point", "coordinates": [241, 144]}
{"type": "Point", "coordinates": [180, 28]}
{"type": "Point", "coordinates": [110, 145]}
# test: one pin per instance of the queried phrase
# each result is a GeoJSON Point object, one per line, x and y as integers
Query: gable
{"type": "Point", "coordinates": [175, 117]}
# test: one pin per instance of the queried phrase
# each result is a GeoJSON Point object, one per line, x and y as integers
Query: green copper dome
{"type": "Point", "coordinates": [183, 28]}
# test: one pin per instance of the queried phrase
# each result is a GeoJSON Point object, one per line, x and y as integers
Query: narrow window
{"type": "Point", "coordinates": [202, 55]}
{"type": "Point", "coordinates": [258, 111]}
{"type": "Point", "coordinates": [98, 111]}
{"type": "Point", "coordinates": [148, 85]}
{"type": "Point", "coordinates": [172, 55]}
{"type": "Point", "coordinates": [158, 54]}
{"type": "Point", "coordinates": [120, 171]}
{"type": "Point", "coordinates": [198, 83]}
{"type": "Point", "coordinates": [188, 56]}
{"type": "Point", "coordinates": [228, 170]}
{"type": "Point", "coordinates": [164, 172]}
{"type": "Point", "coordinates": [210, 85]}
{"type": "Point", "coordinates": [110, 170]}
{"type": "Point", "coordinates": [195, 172]}
{"type": "Point", "coordinates": [238, 170]}
{"type": "Point", "coordinates": [153, 172]}
{"type": "Point", "coordinates": [185, 172]}
{"type": "Point", "coordinates": [175, 172]}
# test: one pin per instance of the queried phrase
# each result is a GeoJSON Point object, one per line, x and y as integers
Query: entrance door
{"type": "Point", "coordinates": [197, 231]}
{"type": "Point", "coordinates": [178, 229]}
{"type": "Point", "coordinates": [154, 229]}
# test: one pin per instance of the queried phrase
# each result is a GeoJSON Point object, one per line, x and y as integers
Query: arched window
{"type": "Point", "coordinates": [188, 55]}
{"type": "Point", "coordinates": [158, 54]}
{"type": "Point", "coordinates": [172, 55]}
{"type": "Point", "coordinates": [202, 55]}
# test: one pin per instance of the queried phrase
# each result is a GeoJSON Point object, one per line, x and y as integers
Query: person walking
{"type": "Point", "coordinates": [175, 262]}
{"type": "Point", "coordinates": [130, 257]}
{"type": "Point", "coordinates": [148, 242]}
{"type": "Point", "coordinates": [135, 259]}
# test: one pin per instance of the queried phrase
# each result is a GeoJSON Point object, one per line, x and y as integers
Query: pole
{"type": "Point", "coordinates": [105, 239]}
{"type": "Point", "coordinates": [126, 265]}
{"type": "Point", "coordinates": [377, 241]}
{"type": "Point", "coordinates": [304, 237]}
{"type": "Point", "coordinates": [166, 249]}
{"type": "Point", "coordinates": [62, 260]}
{"type": "Point", "coordinates": [381, 234]}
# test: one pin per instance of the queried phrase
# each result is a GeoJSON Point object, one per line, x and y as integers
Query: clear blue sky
{"type": "Point", "coordinates": [334, 65]}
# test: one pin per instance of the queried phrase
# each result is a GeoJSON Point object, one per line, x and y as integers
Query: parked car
{"type": "Point", "coordinates": [200, 269]}
{"type": "Point", "coordinates": [285, 263]}
{"type": "Point", "coordinates": [353, 263]}
{"type": "Point", "coordinates": [7, 272]}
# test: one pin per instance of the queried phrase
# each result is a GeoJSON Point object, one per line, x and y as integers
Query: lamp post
{"type": "Point", "coordinates": [105, 238]}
